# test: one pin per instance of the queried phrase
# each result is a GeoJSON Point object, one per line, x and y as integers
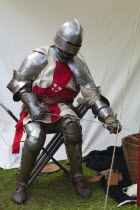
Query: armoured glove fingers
{"type": "Point", "coordinates": [112, 124]}
{"type": "Point", "coordinates": [37, 110]}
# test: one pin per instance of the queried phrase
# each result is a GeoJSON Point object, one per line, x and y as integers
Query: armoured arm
{"type": "Point", "coordinates": [20, 85]}
{"type": "Point", "coordinates": [29, 70]}
{"type": "Point", "coordinates": [102, 109]}
{"type": "Point", "coordinates": [92, 95]}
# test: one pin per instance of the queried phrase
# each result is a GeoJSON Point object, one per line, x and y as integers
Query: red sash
{"type": "Point", "coordinates": [18, 133]}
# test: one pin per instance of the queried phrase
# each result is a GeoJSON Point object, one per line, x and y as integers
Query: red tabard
{"type": "Point", "coordinates": [61, 77]}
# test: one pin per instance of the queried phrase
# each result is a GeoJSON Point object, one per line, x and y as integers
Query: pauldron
{"type": "Point", "coordinates": [81, 72]}
{"type": "Point", "coordinates": [16, 84]}
{"type": "Point", "coordinates": [29, 70]}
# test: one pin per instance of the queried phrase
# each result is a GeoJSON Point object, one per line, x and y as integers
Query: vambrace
{"type": "Point", "coordinates": [102, 109]}
{"type": "Point", "coordinates": [104, 113]}
{"type": "Point", "coordinates": [27, 97]}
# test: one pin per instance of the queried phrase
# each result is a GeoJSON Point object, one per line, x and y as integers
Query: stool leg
{"type": "Point", "coordinates": [45, 160]}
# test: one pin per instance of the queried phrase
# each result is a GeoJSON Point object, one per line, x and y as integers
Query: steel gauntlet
{"type": "Point", "coordinates": [102, 109]}
{"type": "Point", "coordinates": [36, 110]}
{"type": "Point", "coordinates": [112, 124]}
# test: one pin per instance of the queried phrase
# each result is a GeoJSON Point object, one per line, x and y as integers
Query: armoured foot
{"type": "Point", "coordinates": [19, 195]}
{"type": "Point", "coordinates": [81, 186]}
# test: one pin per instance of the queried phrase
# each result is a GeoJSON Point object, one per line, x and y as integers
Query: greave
{"type": "Point", "coordinates": [75, 156]}
{"type": "Point", "coordinates": [73, 142]}
{"type": "Point", "coordinates": [30, 152]}
{"type": "Point", "coordinates": [27, 164]}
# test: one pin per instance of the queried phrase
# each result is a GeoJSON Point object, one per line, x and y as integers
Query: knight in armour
{"type": "Point", "coordinates": [48, 80]}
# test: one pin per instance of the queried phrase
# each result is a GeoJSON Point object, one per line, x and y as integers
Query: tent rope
{"type": "Point", "coordinates": [122, 102]}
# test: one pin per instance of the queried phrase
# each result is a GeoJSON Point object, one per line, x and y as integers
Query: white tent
{"type": "Point", "coordinates": [108, 36]}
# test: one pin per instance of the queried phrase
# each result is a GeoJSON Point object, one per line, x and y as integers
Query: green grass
{"type": "Point", "coordinates": [54, 191]}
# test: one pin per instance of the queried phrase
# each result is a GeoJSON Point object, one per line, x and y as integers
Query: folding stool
{"type": "Point", "coordinates": [58, 139]}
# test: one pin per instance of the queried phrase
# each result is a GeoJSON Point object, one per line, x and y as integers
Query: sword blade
{"type": "Point", "coordinates": [9, 112]}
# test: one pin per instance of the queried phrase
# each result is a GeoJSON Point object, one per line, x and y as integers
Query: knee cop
{"type": "Point", "coordinates": [71, 130]}
{"type": "Point", "coordinates": [35, 136]}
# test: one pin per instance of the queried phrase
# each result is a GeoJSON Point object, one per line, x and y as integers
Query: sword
{"type": "Point", "coordinates": [9, 112]}
{"type": "Point", "coordinates": [14, 117]}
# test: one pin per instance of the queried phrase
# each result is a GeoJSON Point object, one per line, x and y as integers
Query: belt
{"type": "Point", "coordinates": [54, 100]}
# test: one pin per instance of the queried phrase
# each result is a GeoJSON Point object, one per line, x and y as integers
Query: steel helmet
{"type": "Point", "coordinates": [69, 37]}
